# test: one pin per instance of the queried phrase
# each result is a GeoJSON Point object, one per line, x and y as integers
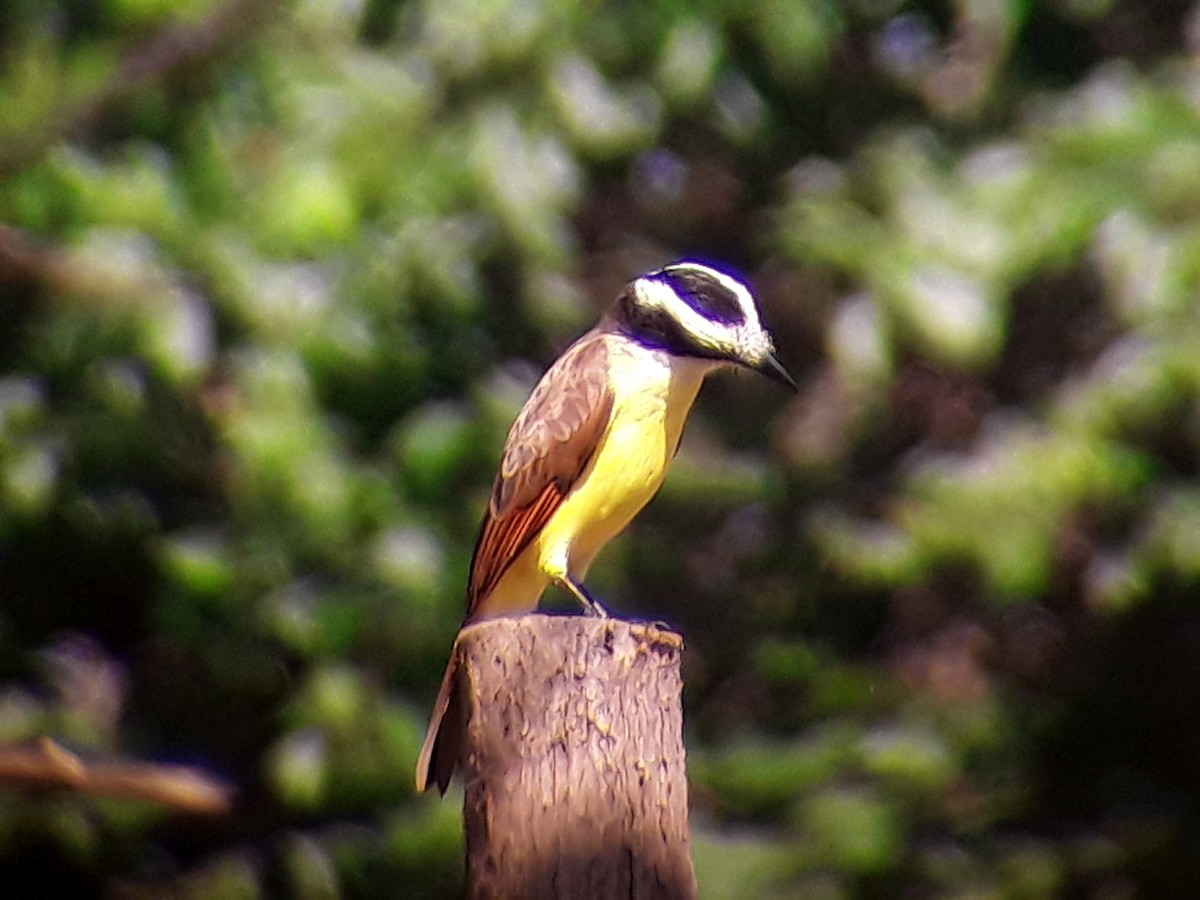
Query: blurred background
{"type": "Point", "coordinates": [276, 277]}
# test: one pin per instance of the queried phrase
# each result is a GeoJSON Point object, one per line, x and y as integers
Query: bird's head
{"type": "Point", "coordinates": [689, 309]}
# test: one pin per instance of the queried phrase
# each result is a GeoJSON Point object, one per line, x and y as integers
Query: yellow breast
{"type": "Point", "coordinates": [652, 395]}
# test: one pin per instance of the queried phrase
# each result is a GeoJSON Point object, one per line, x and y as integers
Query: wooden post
{"type": "Point", "coordinates": [573, 760]}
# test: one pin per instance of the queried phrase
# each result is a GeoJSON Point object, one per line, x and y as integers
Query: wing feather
{"type": "Point", "coordinates": [548, 447]}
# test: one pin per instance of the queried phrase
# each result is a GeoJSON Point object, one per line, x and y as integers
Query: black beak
{"type": "Point", "coordinates": [773, 369]}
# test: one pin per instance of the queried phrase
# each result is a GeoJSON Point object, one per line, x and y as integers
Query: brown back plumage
{"type": "Point", "coordinates": [548, 447]}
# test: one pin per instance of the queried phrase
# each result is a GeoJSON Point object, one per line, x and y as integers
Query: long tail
{"type": "Point", "coordinates": [443, 739]}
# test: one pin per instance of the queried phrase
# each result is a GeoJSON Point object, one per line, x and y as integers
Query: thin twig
{"type": "Point", "coordinates": [170, 49]}
{"type": "Point", "coordinates": [47, 765]}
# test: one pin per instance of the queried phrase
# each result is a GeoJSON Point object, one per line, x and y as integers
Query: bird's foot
{"type": "Point", "coordinates": [590, 604]}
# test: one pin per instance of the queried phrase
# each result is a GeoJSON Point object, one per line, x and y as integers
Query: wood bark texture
{"type": "Point", "coordinates": [573, 763]}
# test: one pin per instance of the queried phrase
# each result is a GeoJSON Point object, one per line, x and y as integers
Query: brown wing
{"type": "Point", "coordinates": [548, 447]}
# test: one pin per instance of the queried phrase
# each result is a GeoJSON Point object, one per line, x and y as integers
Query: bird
{"type": "Point", "coordinates": [592, 446]}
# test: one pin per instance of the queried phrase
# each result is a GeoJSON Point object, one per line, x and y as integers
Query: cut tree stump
{"type": "Point", "coordinates": [573, 760]}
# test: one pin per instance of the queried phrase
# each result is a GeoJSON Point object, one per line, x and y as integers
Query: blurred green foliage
{"type": "Point", "coordinates": [275, 278]}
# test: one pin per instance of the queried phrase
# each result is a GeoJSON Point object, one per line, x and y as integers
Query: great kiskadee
{"type": "Point", "coordinates": [591, 447]}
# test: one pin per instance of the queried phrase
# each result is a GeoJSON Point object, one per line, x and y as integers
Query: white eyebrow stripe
{"type": "Point", "coordinates": [657, 294]}
{"type": "Point", "coordinates": [739, 290]}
